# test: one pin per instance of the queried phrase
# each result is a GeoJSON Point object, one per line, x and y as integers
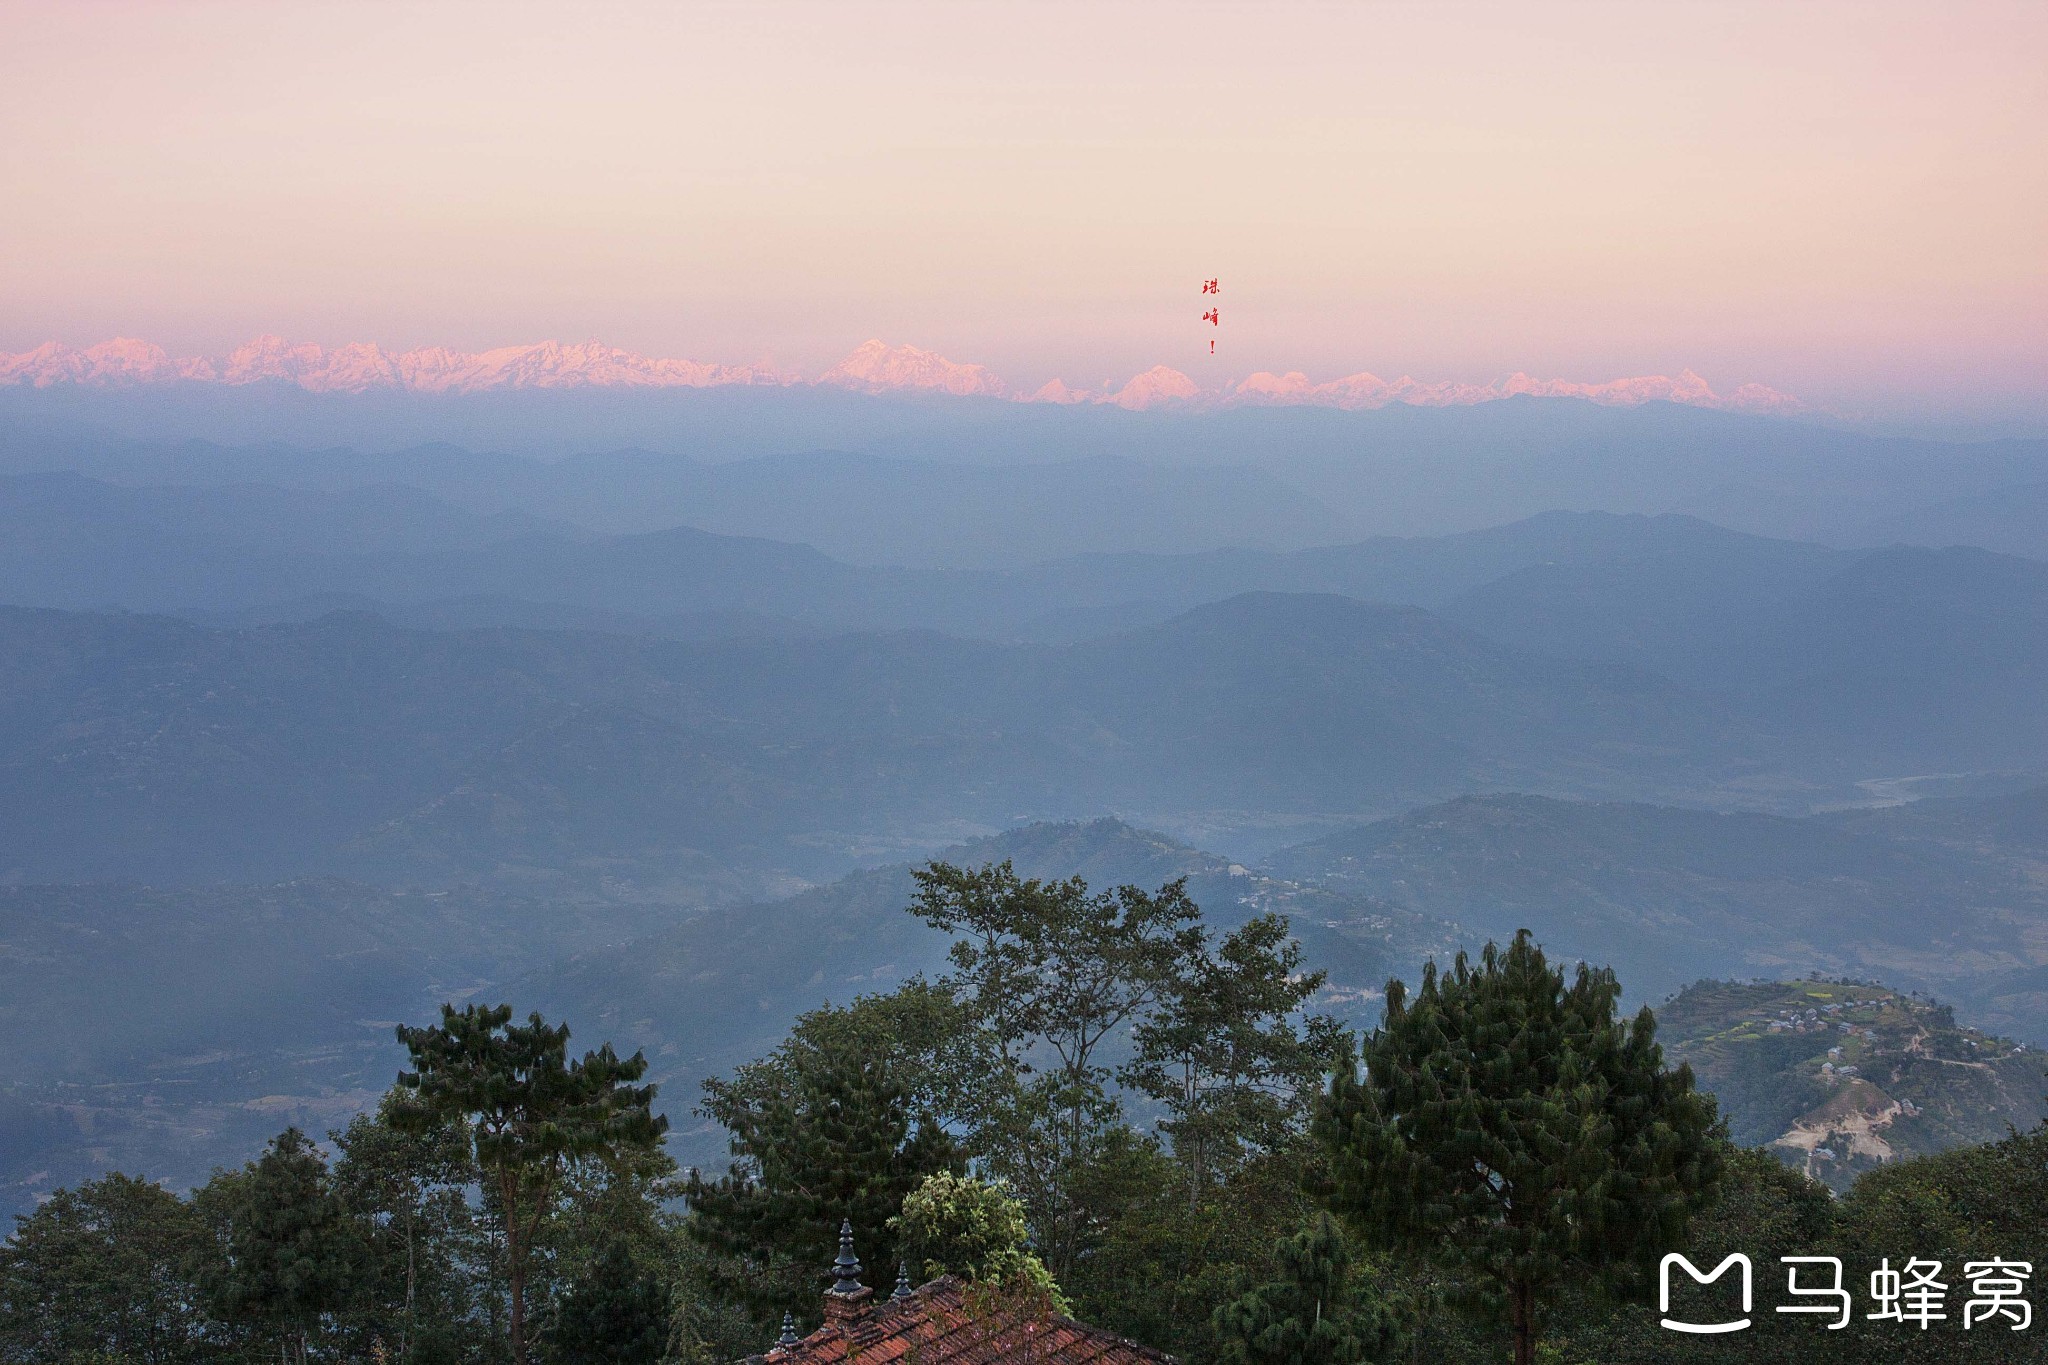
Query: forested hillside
{"type": "Point", "coordinates": [1838, 1078]}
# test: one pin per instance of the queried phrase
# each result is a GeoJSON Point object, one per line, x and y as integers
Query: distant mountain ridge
{"type": "Point", "coordinates": [872, 367]}
{"type": "Point", "coordinates": [1942, 897]}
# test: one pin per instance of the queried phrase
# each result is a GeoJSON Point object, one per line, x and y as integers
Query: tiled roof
{"type": "Point", "coordinates": [948, 1323]}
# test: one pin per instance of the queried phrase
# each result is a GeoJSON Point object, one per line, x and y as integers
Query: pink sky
{"type": "Point", "coordinates": [1845, 201]}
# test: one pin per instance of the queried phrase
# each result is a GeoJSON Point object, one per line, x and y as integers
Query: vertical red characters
{"type": "Point", "coordinates": [1214, 316]}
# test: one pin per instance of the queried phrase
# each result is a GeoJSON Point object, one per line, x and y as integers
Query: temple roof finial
{"type": "Point", "coordinates": [903, 1289]}
{"type": "Point", "coordinates": [788, 1337]}
{"type": "Point", "coordinates": [847, 1268]}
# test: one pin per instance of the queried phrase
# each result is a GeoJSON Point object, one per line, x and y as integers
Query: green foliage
{"type": "Point", "coordinates": [1222, 1053]}
{"type": "Point", "coordinates": [1760, 1208]}
{"type": "Point", "coordinates": [107, 1269]}
{"type": "Point", "coordinates": [932, 1050]}
{"type": "Point", "coordinates": [823, 1135]}
{"type": "Point", "coordinates": [531, 1115]}
{"type": "Point", "coordinates": [616, 1312]}
{"type": "Point", "coordinates": [960, 1225]}
{"type": "Point", "coordinates": [1325, 1308]}
{"type": "Point", "coordinates": [1050, 973]}
{"type": "Point", "coordinates": [1971, 1204]}
{"type": "Point", "coordinates": [290, 1254]}
{"type": "Point", "coordinates": [1158, 1266]}
{"type": "Point", "coordinates": [424, 1274]}
{"type": "Point", "coordinates": [1839, 1076]}
{"type": "Point", "coordinates": [1508, 1129]}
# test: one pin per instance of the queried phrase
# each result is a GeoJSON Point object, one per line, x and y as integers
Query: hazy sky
{"type": "Point", "coordinates": [1846, 201]}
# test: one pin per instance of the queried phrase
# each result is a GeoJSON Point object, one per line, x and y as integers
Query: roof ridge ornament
{"type": "Point", "coordinates": [847, 1268]}
{"type": "Point", "coordinates": [789, 1336]}
{"type": "Point", "coordinates": [903, 1289]}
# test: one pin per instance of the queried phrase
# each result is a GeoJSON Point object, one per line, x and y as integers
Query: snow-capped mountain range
{"type": "Point", "coordinates": [873, 367]}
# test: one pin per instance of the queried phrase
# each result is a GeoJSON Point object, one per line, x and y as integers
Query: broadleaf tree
{"type": "Point", "coordinates": [1223, 1055]}
{"type": "Point", "coordinates": [1050, 973]}
{"type": "Point", "coordinates": [110, 1267]}
{"type": "Point", "coordinates": [829, 1134]}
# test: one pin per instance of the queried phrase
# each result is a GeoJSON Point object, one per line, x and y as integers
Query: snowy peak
{"type": "Point", "coordinates": [1158, 387]}
{"type": "Point", "coordinates": [362, 366]}
{"type": "Point", "coordinates": [876, 367]}
{"type": "Point", "coordinates": [873, 367]}
{"type": "Point", "coordinates": [122, 361]}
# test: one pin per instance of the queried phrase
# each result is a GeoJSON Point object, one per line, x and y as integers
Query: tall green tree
{"type": "Point", "coordinates": [289, 1253]}
{"type": "Point", "coordinates": [1509, 1128]}
{"type": "Point", "coordinates": [833, 1139]}
{"type": "Point", "coordinates": [532, 1115]}
{"type": "Point", "coordinates": [1223, 1055]}
{"type": "Point", "coordinates": [1051, 973]}
{"type": "Point", "coordinates": [424, 1273]}
{"type": "Point", "coordinates": [108, 1268]}
{"type": "Point", "coordinates": [1324, 1308]}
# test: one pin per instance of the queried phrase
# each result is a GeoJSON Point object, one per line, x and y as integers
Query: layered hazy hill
{"type": "Point", "coordinates": [1396, 470]}
{"type": "Point", "coordinates": [142, 746]}
{"type": "Point", "coordinates": [1871, 663]}
{"type": "Point", "coordinates": [1666, 895]}
{"type": "Point", "coordinates": [319, 709]}
{"type": "Point", "coordinates": [223, 1012]}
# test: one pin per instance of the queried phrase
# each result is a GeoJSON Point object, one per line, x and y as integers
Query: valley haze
{"type": "Point", "coordinates": [621, 702]}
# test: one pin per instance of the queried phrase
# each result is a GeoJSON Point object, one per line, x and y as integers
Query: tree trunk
{"type": "Point", "coordinates": [515, 1270]}
{"type": "Point", "coordinates": [411, 1283]}
{"type": "Point", "coordinates": [1522, 1315]}
{"type": "Point", "coordinates": [515, 1277]}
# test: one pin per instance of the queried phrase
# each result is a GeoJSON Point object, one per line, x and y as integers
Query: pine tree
{"type": "Point", "coordinates": [291, 1249]}
{"type": "Point", "coordinates": [531, 1114]}
{"type": "Point", "coordinates": [1508, 1128]}
{"type": "Point", "coordinates": [1323, 1310]}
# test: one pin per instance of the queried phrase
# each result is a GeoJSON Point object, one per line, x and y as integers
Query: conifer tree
{"type": "Point", "coordinates": [290, 1248]}
{"type": "Point", "coordinates": [1322, 1310]}
{"type": "Point", "coordinates": [615, 1313]}
{"type": "Point", "coordinates": [1508, 1128]}
{"type": "Point", "coordinates": [531, 1115]}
